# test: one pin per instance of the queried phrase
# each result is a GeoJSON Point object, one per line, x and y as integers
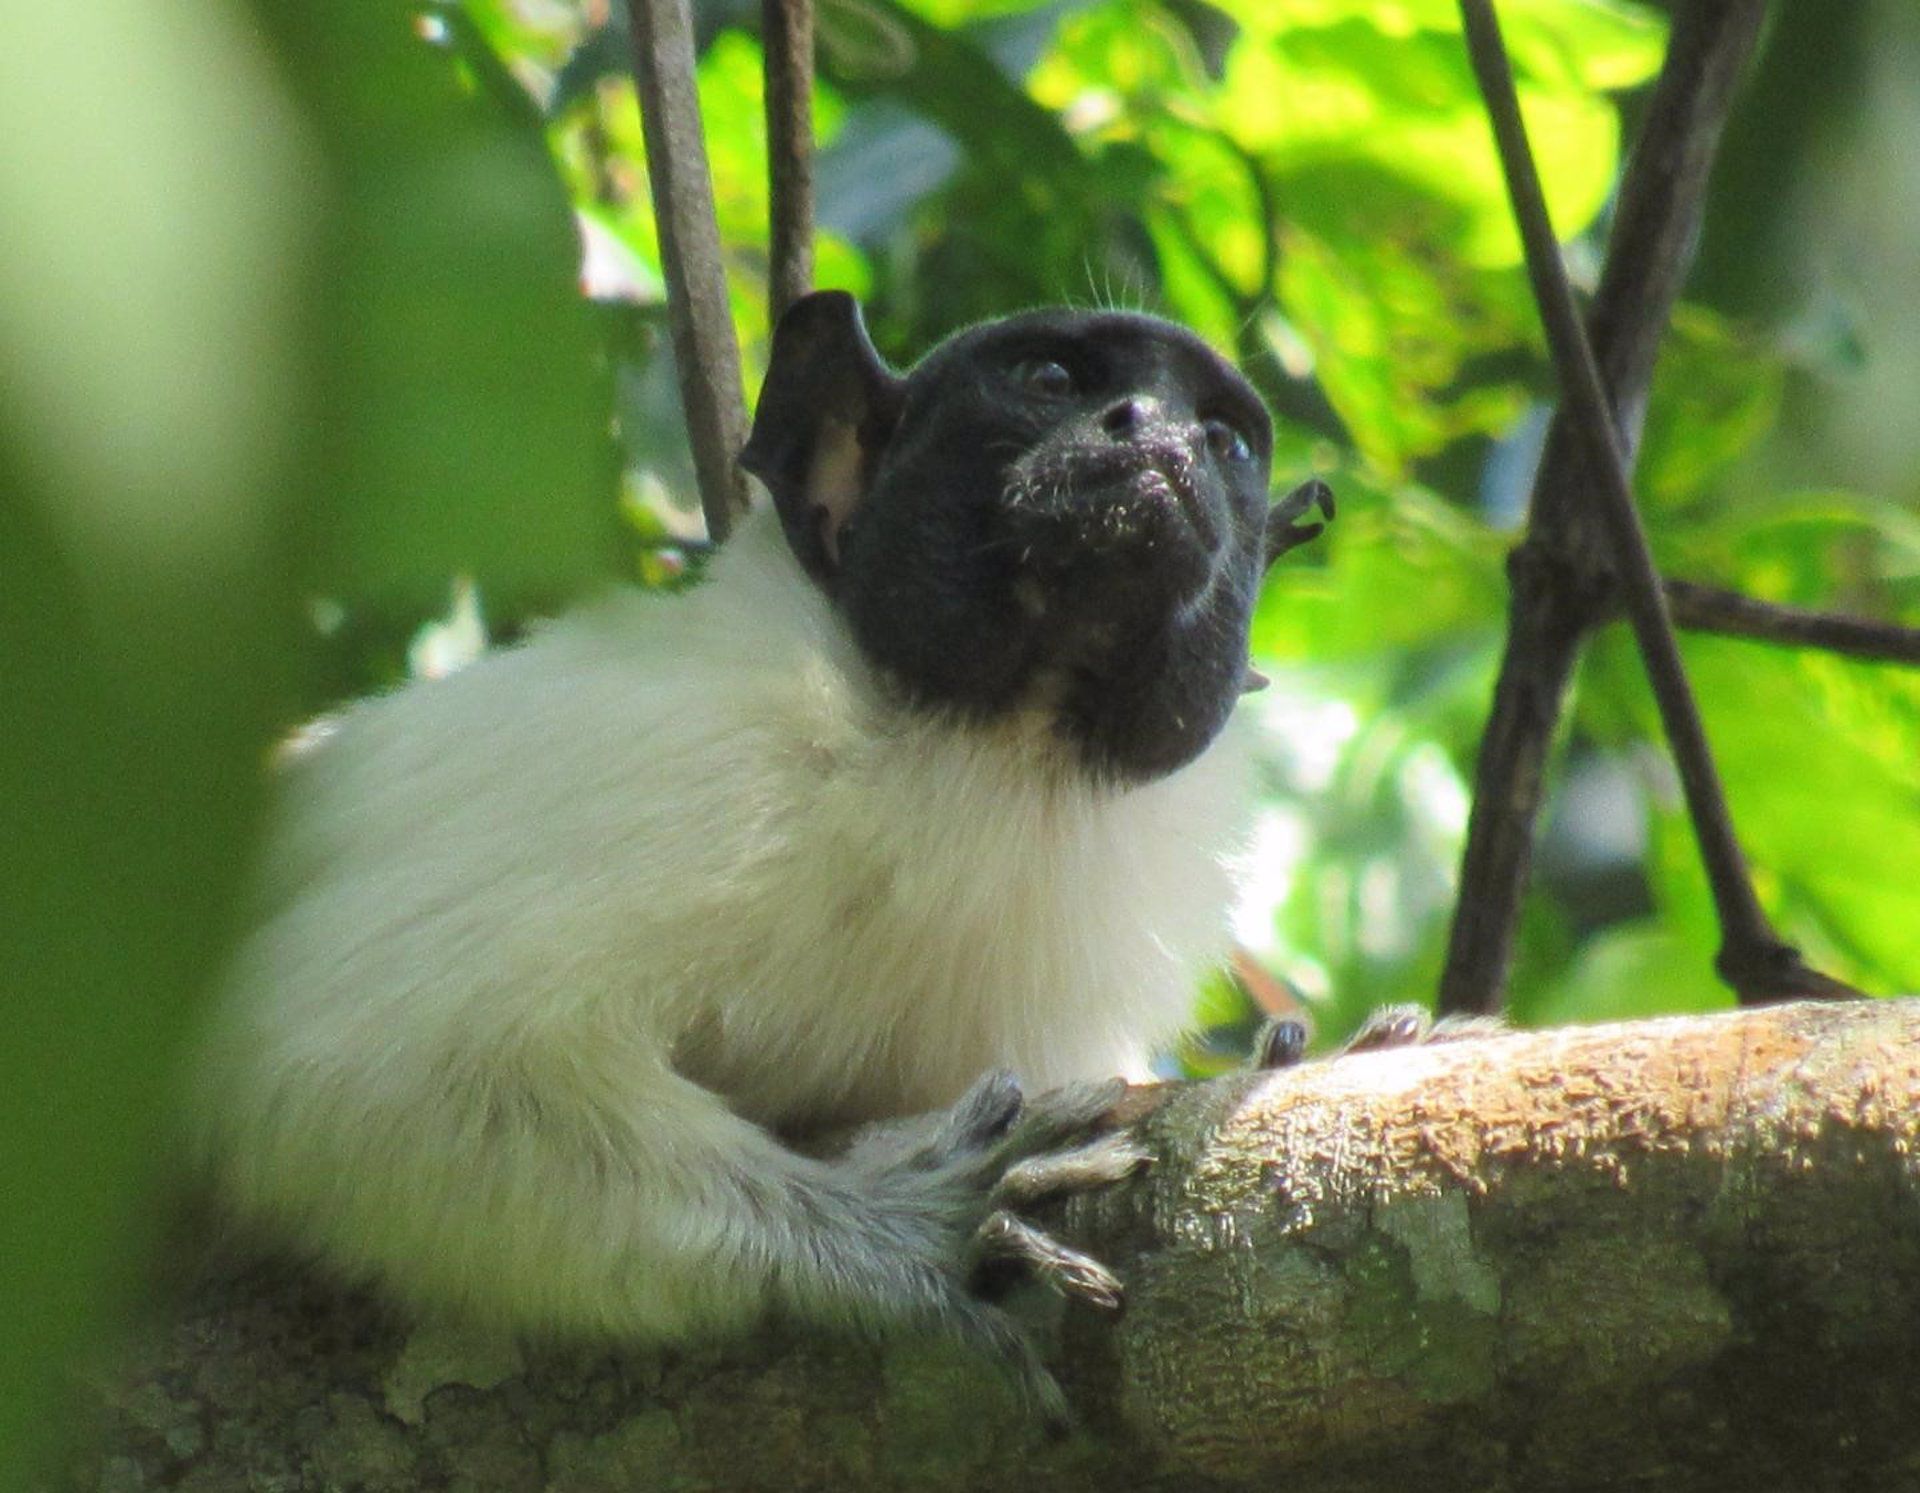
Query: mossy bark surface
{"type": "Point", "coordinates": [1679, 1254]}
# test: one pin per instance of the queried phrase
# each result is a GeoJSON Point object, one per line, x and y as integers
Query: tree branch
{"type": "Point", "coordinates": [1671, 1255]}
{"type": "Point", "coordinates": [1753, 958]}
{"type": "Point", "coordinates": [1562, 579]}
{"type": "Point", "coordinates": [786, 40]}
{"type": "Point", "coordinates": [1714, 609]}
{"type": "Point", "coordinates": [705, 354]}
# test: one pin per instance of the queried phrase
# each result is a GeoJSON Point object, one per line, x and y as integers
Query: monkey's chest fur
{"type": "Point", "coordinates": [699, 832]}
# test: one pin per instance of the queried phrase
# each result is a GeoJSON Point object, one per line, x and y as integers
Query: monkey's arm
{"type": "Point", "coordinates": [648, 1210]}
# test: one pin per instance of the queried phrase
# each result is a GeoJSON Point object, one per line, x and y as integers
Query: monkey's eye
{"type": "Point", "coordinates": [1044, 376]}
{"type": "Point", "coordinates": [1226, 442]}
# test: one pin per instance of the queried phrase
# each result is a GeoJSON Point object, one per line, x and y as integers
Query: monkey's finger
{"type": "Point", "coordinates": [1283, 538]}
{"type": "Point", "coordinates": [1391, 1026]}
{"type": "Point", "coordinates": [1111, 1158]}
{"type": "Point", "coordinates": [1065, 1114]}
{"type": "Point", "coordinates": [1078, 1277]}
{"type": "Point", "coordinates": [1281, 1044]}
{"type": "Point", "coordinates": [984, 1114]}
{"type": "Point", "coordinates": [1309, 495]}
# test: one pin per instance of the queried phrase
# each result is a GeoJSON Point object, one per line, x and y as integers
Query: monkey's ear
{"type": "Point", "coordinates": [828, 405]}
{"type": "Point", "coordinates": [1283, 533]}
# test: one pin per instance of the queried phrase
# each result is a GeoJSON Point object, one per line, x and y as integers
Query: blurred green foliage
{"type": "Point", "coordinates": [293, 320]}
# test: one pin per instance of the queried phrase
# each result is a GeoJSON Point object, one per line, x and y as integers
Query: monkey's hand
{"type": "Point", "coordinates": [972, 1171]}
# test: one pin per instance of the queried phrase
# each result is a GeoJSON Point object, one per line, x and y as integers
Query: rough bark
{"type": "Point", "coordinates": [1679, 1254]}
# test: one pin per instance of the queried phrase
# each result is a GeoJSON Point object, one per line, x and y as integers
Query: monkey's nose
{"type": "Point", "coordinates": [1130, 416]}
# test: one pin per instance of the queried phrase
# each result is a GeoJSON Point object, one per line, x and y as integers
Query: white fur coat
{"type": "Point", "coordinates": [548, 948]}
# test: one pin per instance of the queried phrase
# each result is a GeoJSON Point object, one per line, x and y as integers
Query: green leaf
{"type": "Point", "coordinates": [1716, 394]}
{"type": "Point", "coordinates": [1819, 756]}
{"type": "Point", "coordinates": [149, 325]}
{"type": "Point", "coordinates": [1816, 755]}
{"type": "Point", "coordinates": [1315, 81]}
{"type": "Point", "coordinates": [1634, 970]}
{"type": "Point", "coordinates": [1396, 571]}
{"type": "Point", "coordinates": [466, 398]}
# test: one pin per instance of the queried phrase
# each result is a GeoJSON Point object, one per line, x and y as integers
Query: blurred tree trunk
{"type": "Point", "coordinates": [1679, 1254]}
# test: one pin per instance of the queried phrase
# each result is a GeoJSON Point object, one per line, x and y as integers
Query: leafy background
{"type": "Point", "coordinates": [335, 348]}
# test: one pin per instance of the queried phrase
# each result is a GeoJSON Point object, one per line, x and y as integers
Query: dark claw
{"type": "Point", "coordinates": [1281, 1044]}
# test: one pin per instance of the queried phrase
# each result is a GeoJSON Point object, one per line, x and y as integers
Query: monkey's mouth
{"type": "Point", "coordinates": [1144, 499]}
{"type": "Point", "coordinates": [1171, 485]}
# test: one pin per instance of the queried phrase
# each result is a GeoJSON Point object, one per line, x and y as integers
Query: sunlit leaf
{"type": "Point", "coordinates": [1396, 571]}
{"type": "Point", "coordinates": [1817, 756]}
{"type": "Point", "coordinates": [1390, 85]}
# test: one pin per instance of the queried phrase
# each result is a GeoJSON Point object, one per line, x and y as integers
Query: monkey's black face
{"type": "Point", "coordinates": [1070, 508]}
{"type": "Point", "coordinates": [1066, 510]}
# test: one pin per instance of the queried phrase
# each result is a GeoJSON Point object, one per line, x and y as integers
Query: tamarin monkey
{"type": "Point", "coordinates": [922, 802]}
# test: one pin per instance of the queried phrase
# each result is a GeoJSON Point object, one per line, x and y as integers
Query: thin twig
{"type": "Point", "coordinates": [1752, 958]}
{"type": "Point", "coordinates": [1713, 609]}
{"type": "Point", "coordinates": [705, 354]}
{"type": "Point", "coordinates": [1562, 582]}
{"type": "Point", "coordinates": [786, 40]}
